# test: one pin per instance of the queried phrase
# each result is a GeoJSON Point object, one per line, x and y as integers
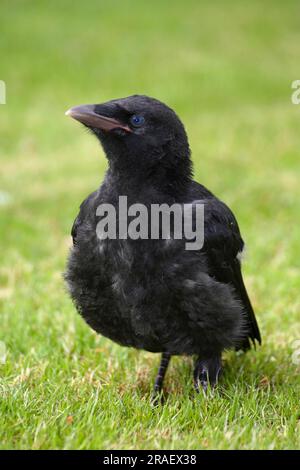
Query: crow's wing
{"type": "Point", "coordinates": [74, 230]}
{"type": "Point", "coordinates": [87, 212]}
{"type": "Point", "coordinates": [223, 245]}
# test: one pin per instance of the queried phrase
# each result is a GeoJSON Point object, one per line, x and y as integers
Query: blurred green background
{"type": "Point", "coordinates": [226, 67]}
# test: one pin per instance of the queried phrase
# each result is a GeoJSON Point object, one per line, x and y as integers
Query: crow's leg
{"type": "Point", "coordinates": [165, 359]}
{"type": "Point", "coordinates": [206, 372]}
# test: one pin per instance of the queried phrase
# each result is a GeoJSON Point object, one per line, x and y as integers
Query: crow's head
{"type": "Point", "coordinates": [137, 131]}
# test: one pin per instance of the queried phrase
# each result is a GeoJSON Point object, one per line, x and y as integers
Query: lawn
{"type": "Point", "coordinates": [227, 69]}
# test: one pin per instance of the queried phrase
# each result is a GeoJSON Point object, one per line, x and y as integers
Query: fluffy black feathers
{"type": "Point", "coordinates": [154, 294]}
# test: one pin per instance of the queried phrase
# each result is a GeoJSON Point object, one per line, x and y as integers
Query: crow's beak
{"type": "Point", "coordinates": [86, 115]}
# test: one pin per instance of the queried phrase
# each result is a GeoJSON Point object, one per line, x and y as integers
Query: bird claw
{"type": "Point", "coordinates": [157, 399]}
{"type": "Point", "coordinates": [206, 374]}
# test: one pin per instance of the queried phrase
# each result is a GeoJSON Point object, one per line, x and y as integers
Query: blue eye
{"type": "Point", "coordinates": [137, 121]}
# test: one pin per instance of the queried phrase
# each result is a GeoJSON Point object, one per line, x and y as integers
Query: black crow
{"type": "Point", "coordinates": [155, 294]}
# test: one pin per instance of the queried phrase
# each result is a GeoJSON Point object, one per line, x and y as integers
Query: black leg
{"type": "Point", "coordinates": [206, 372]}
{"type": "Point", "coordinates": [165, 359]}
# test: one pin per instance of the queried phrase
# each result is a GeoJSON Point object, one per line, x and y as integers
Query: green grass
{"type": "Point", "coordinates": [227, 68]}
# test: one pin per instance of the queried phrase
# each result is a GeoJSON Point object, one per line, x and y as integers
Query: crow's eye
{"type": "Point", "coordinates": [137, 121]}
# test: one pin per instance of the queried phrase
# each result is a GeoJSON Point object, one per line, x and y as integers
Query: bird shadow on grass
{"type": "Point", "coordinates": [264, 370]}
